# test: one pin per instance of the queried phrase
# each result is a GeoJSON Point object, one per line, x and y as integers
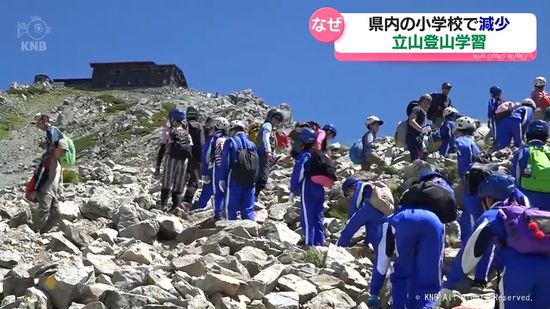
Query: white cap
{"type": "Point", "coordinates": [372, 119]}
{"type": "Point", "coordinates": [449, 110]}
{"type": "Point", "coordinates": [237, 123]}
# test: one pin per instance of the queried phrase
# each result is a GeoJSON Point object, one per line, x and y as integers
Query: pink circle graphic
{"type": "Point", "coordinates": [326, 25]}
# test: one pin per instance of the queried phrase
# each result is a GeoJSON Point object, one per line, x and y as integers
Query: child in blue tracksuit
{"type": "Point", "coordinates": [524, 277]}
{"type": "Point", "coordinates": [494, 102]}
{"type": "Point", "coordinates": [211, 162]}
{"type": "Point", "coordinates": [312, 195]}
{"type": "Point", "coordinates": [488, 259]}
{"type": "Point", "coordinates": [537, 135]}
{"type": "Point", "coordinates": [417, 236]}
{"type": "Point", "coordinates": [447, 132]}
{"type": "Point", "coordinates": [361, 213]}
{"type": "Point", "coordinates": [239, 197]}
{"type": "Point", "coordinates": [513, 127]}
{"type": "Point", "coordinates": [467, 151]}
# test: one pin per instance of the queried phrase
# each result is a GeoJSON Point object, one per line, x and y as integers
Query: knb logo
{"type": "Point", "coordinates": [37, 30]}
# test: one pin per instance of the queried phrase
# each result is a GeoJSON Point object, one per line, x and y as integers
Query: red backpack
{"type": "Point", "coordinates": [31, 183]}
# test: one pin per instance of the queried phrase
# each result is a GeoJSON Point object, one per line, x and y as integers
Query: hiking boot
{"type": "Point", "coordinates": [180, 212]}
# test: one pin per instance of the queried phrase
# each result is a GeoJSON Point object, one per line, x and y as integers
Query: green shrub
{"type": "Point", "coordinates": [85, 142]}
{"type": "Point", "coordinates": [397, 190]}
{"type": "Point", "coordinates": [338, 213]}
{"type": "Point", "coordinates": [119, 107]}
{"type": "Point", "coordinates": [451, 172]}
{"type": "Point", "coordinates": [150, 125]}
{"type": "Point", "coordinates": [70, 176]}
{"type": "Point", "coordinates": [314, 257]}
{"type": "Point", "coordinates": [109, 98]}
{"type": "Point", "coordinates": [117, 104]}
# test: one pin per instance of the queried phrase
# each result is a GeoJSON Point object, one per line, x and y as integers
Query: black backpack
{"type": "Point", "coordinates": [180, 146]}
{"type": "Point", "coordinates": [196, 131]}
{"type": "Point", "coordinates": [322, 165]}
{"type": "Point", "coordinates": [478, 173]}
{"type": "Point", "coordinates": [244, 169]}
{"type": "Point", "coordinates": [410, 107]}
{"type": "Point", "coordinates": [430, 196]}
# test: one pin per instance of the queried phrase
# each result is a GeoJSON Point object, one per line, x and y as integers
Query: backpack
{"type": "Point", "coordinates": [410, 107]}
{"type": "Point", "coordinates": [281, 140]}
{"type": "Point", "coordinates": [322, 169]}
{"type": "Point", "coordinates": [180, 145]}
{"type": "Point", "coordinates": [400, 136]}
{"type": "Point", "coordinates": [381, 197]}
{"type": "Point", "coordinates": [356, 152]}
{"type": "Point", "coordinates": [433, 197]}
{"type": "Point", "coordinates": [478, 173]}
{"type": "Point", "coordinates": [196, 131]}
{"type": "Point", "coordinates": [544, 103]}
{"type": "Point", "coordinates": [244, 169]}
{"type": "Point", "coordinates": [527, 229]}
{"type": "Point", "coordinates": [69, 158]}
{"type": "Point", "coordinates": [31, 183]}
{"type": "Point", "coordinates": [536, 176]}
{"type": "Point", "coordinates": [254, 131]}
{"type": "Point", "coordinates": [504, 110]}
{"type": "Point", "coordinates": [29, 189]}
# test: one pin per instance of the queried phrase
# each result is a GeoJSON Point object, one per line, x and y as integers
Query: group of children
{"type": "Point", "coordinates": [415, 235]}
{"type": "Point", "coordinates": [235, 169]}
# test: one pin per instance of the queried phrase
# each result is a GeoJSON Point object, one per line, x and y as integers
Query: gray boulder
{"type": "Point", "coordinates": [64, 284]}
{"type": "Point", "coordinates": [145, 231]}
{"type": "Point", "coordinates": [281, 300]}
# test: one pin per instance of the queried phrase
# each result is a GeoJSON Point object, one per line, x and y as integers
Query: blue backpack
{"type": "Point", "coordinates": [356, 152]}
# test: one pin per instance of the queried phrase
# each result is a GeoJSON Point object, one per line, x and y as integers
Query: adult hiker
{"type": "Point", "coordinates": [439, 102]}
{"type": "Point", "coordinates": [522, 241]}
{"type": "Point", "coordinates": [416, 233]}
{"type": "Point", "coordinates": [494, 101]}
{"type": "Point", "coordinates": [166, 125]}
{"type": "Point", "coordinates": [531, 165]}
{"type": "Point", "coordinates": [196, 130]}
{"type": "Point", "coordinates": [211, 162]}
{"type": "Point", "coordinates": [45, 188]}
{"type": "Point", "coordinates": [265, 148]}
{"type": "Point", "coordinates": [53, 134]}
{"type": "Point", "coordinates": [502, 186]}
{"type": "Point", "coordinates": [447, 132]}
{"type": "Point", "coordinates": [312, 195]}
{"type": "Point", "coordinates": [330, 133]}
{"type": "Point", "coordinates": [178, 155]}
{"type": "Point", "coordinates": [372, 123]}
{"type": "Point", "coordinates": [511, 124]}
{"type": "Point", "coordinates": [366, 208]}
{"type": "Point", "coordinates": [239, 169]}
{"type": "Point", "coordinates": [540, 97]}
{"type": "Point", "coordinates": [417, 128]}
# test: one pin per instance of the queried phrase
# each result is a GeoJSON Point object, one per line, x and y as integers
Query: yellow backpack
{"type": "Point", "coordinates": [254, 131]}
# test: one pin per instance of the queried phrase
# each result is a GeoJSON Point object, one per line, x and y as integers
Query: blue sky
{"type": "Point", "coordinates": [227, 46]}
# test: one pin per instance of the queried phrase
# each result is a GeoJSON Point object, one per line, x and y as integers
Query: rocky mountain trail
{"type": "Point", "coordinates": [114, 249]}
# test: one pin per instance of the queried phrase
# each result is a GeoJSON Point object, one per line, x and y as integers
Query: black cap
{"type": "Point", "coordinates": [446, 85]}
